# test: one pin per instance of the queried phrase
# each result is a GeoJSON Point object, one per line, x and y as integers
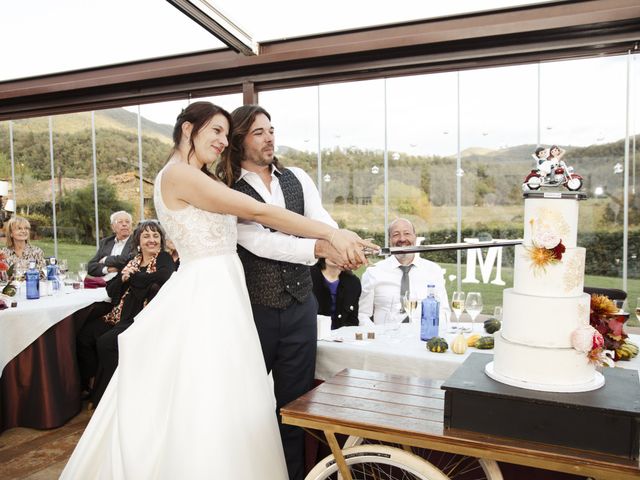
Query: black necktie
{"type": "Point", "coordinates": [405, 288]}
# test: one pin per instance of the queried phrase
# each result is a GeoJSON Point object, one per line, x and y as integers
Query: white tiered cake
{"type": "Point", "coordinates": [546, 305]}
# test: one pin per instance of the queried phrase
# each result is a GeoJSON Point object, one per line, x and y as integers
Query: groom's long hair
{"type": "Point", "coordinates": [242, 117]}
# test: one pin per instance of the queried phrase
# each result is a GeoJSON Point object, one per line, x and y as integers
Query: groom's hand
{"type": "Point", "coordinates": [323, 249]}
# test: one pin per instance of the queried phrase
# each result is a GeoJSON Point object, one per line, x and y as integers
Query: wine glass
{"type": "Point", "coordinates": [457, 305]}
{"type": "Point", "coordinates": [19, 271]}
{"type": "Point", "coordinates": [473, 306]}
{"type": "Point", "coordinates": [393, 316]}
{"type": "Point", "coordinates": [63, 268]}
{"type": "Point", "coordinates": [410, 304]}
{"type": "Point", "coordinates": [82, 272]}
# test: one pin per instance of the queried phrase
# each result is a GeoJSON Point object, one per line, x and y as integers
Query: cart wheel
{"type": "Point", "coordinates": [455, 467]}
{"type": "Point", "coordinates": [375, 462]}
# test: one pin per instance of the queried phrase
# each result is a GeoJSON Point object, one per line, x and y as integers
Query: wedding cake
{"type": "Point", "coordinates": [546, 342]}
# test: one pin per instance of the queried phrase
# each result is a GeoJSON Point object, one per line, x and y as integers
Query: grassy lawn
{"type": "Point", "coordinates": [73, 252]}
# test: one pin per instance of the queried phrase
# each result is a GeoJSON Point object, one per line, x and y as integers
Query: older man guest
{"type": "Point", "coordinates": [384, 283]}
{"type": "Point", "coordinates": [113, 251]}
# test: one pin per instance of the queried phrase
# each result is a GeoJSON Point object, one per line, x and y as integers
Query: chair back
{"type": "Point", "coordinates": [612, 293]}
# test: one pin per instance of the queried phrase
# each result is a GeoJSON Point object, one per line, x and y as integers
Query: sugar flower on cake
{"type": "Point", "coordinates": [547, 248]}
{"type": "Point", "coordinates": [591, 342]}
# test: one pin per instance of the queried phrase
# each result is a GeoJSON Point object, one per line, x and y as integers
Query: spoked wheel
{"type": "Point", "coordinates": [377, 462]}
{"type": "Point", "coordinates": [453, 466]}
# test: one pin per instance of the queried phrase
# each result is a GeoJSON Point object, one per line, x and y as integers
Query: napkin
{"type": "Point", "coordinates": [324, 327]}
{"type": "Point", "coordinates": [94, 282]}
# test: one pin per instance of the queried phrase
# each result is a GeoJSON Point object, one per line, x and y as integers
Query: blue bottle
{"type": "Point", "coordinates": [430, 315]}
{"type": "Point", "coordinates": [32, 277]}
{"type": "Point", "coordinates": [52, 275]}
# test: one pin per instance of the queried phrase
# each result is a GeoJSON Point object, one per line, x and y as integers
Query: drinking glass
{"type": "Point", "coordinates": [82, 272]}
{"type": "Point", "coordinates": [410, 304]}
{"type": "Point", "coordinates": [394, 316]}
{"type": "Point", "coordinates": [457, 305]}
{"type": "Point", "coordinates": [638, 309]}
{"type": "Point", "coordinates": [497, 313]}
{"type": "Point", "coordinates": [473, 306]}
{"type": "Point", "coordinates": [63, 268]}
{"type": "Point", "coordinates": [20, 270]}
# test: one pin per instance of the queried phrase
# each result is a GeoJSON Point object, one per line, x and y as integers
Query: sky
{"type": "Point", "coordinates": [581, 100]}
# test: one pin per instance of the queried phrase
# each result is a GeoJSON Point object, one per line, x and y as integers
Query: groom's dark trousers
{"type": "Point", "coordinates": [288, 339]}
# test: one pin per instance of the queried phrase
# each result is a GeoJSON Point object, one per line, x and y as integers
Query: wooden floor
{"type": "Point", "coordinates": [28, 454]}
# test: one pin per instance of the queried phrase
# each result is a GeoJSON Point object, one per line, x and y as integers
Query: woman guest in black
{"type": "Point", "coordinates": [130, 291]}
{"type": "Point", "coordinates": [337, 292]}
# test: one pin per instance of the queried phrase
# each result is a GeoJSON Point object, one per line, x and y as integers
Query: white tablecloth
{"type": "Point", "coordinates": [21, 325]}
{"type": "Point", "coordinates": [399, 352]}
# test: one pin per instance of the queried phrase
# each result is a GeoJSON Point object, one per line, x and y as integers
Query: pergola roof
{"type": "Point", "coordinates": [524, 34]}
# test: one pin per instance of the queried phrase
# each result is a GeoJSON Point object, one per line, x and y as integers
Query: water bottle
{"type": "Point", "coordinates": [52, 275]}
{"type": "Point", "coordinates": [430, 315]}
{"type": "Point", "coordinates": [32, 277]}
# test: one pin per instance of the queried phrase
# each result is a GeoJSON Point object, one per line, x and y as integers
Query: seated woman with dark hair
{"type": "Point", "coordinates": [130, 291]}
{"type": "Point", "coordinates": [338, 293]}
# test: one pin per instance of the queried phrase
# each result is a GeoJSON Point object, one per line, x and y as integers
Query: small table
{"type": "Point", "coordinates": [409, 411]}
{"type": "Point", "coordinates": [400, 352]}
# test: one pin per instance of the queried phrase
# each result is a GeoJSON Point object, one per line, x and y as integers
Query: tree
{"type": "Point", "coordinates": [77, 210]}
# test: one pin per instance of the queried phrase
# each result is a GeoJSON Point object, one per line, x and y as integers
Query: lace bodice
{"type": "Point", "coordinates": [196, 233]}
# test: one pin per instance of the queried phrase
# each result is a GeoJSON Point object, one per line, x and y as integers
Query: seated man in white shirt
{"type": "Point", "coordinates": [112, 256]}
{"type": "Point", "coordinates": [113, 251]}
{"type": "Point", "coordinates": [381, 283]}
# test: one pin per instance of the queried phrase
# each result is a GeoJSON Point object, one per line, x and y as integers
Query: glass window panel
{"type": "Point", "coordinates": [296, 129]}
{"type": "Point", "coordinates": [498, 130]}
{"type": "Point", "coordinates": [422, 131]}
{"type": "Point", "coordinates": [583, 105]}
{"type": "Point", "coordinates": [352, 139]}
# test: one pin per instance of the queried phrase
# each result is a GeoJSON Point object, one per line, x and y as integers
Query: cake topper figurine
{"type": "Point", "coordinates": [551, 171]}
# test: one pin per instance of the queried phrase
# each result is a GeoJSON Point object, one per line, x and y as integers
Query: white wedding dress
{"type": "Point", "coordinates": [190, 398]}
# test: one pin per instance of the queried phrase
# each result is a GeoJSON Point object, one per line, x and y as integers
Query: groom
{"type": "Point", "coordinates": [276, 267]}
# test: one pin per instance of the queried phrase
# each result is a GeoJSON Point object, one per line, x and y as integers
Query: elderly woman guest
{"type": "Point", "coordinates": [338, 293]}
{"type": "Point", "coordinates": [130, 291]}
{"type": "Point", "coordinates": [18, 250]}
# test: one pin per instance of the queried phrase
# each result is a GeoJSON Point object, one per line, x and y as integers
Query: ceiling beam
{"type": "Point", "coordinates": [216, 23]}
{"type": "Point", "coordinates": [543, 32]}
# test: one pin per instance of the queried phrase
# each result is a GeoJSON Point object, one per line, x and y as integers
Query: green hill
{"type": "Point", "coordinates": [112, 119]}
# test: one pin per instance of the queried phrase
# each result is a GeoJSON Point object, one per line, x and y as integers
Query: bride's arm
{"type": "Point", "coordinates": [187, 184]}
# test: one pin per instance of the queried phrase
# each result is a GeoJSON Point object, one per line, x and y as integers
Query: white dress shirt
{"type": "Point", "coordinates": [262, 242]}
{"type": "Point", "coordinates": [118, 246]}
{"type": "Point", "coordinates": [381, 289]}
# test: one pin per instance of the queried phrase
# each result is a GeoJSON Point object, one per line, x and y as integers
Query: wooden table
{"type": "Point", "coordinates": [409, 411]}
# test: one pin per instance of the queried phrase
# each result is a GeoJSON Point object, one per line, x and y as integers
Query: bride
{"type": "Point", "coordinates": [190, 398]}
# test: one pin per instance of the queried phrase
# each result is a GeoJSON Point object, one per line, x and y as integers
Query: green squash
{"type": "Point", "coordinates": [437, 345]}
{"type": "Point", "coordinates": [485, 343]}
{"type": "Point", "coordinates": [492, 325]}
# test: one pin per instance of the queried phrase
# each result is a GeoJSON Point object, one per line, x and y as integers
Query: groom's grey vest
{"type": "Point", "coordinates": [272, 283]}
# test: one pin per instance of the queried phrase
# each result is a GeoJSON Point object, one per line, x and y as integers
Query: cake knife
{"type": "Point", "coordinates": [386, 251]}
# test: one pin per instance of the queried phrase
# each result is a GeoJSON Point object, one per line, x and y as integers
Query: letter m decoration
{"type": "Point", "coordinates": [494, 255]}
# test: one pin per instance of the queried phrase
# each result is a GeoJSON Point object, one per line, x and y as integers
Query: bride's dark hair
{"type": "Point", "coordinates": [198, 114]}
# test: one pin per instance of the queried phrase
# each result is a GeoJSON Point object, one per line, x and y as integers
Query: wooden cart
{"type": "Point", "coordinates": [409, 411]}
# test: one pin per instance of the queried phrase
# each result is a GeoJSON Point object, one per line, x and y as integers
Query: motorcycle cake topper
{"type": "Point", "coordinates": [551, 171]}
